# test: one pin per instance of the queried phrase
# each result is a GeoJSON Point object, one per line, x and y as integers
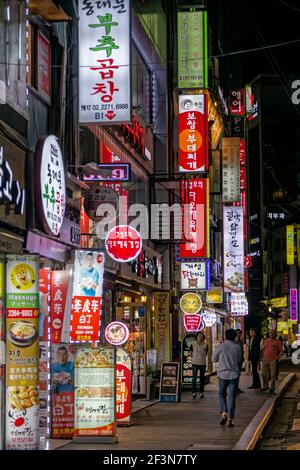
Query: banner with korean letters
{"type": "Point", "coordinates": [231, 169]}
{"type": "Point", "coordinates": [194, 275]}
{"type": "Point", "coordinates": [104, 61]}
{"type": "Point", "coordinates": [193, 133]}
{"type": "Point", "coordinates": [87, 296]}
{"type": "Point", "coordinates": [233, 227]}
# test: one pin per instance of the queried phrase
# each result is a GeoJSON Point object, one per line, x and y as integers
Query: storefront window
{"type": "Point", "coordinates": [141, 86]}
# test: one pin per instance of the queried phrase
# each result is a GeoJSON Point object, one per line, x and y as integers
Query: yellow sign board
{"type": "Point", "coordinates": [290, 245]}
{"type": "Point", "coordinates": [162, 326]}
{"type": "Point", "coordinates": [190, 303]}
{"type": "Point", "coordinates": [214, 296]}
{"type": "Point", "coordinates": [279, 302]}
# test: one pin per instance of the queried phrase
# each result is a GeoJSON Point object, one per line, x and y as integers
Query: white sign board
{"type": "Point", "coordinates": [233, 249]}
{"type": "Point", "coordinates": [231, 169]}
{"type": "Point", "coordinates": [193, 275]}
{"type": "Point", "coordinates": [239, 304]}
{"type": "Point", "coordinates": [50, 184]}
{"type": "Point", "coordinates": [104, 61]}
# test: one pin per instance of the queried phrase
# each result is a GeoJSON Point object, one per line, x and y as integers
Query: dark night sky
{"type": "Point", "coordinates": [267, 22]}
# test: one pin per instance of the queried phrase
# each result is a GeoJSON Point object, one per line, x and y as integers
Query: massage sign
{"type": "Point", "coordinates": [50, 184]}
{"type": "Point", "coordinates": [104, 61]}
{"type": "Point", "coordinates": [22, 352]}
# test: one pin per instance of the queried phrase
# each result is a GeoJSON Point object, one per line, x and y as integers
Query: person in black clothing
{"type": "Point", "coordinates": [254, 356]}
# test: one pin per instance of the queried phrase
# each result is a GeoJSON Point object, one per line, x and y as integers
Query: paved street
{"type": "Point", "coordinates": [191, 424]}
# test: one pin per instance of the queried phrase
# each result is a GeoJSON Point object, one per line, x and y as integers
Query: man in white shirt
{"type": "Point", "coordinates": [228, 355]}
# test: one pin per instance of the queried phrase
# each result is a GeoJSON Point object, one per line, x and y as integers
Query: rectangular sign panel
{"type": "Point", "coordinates": [231, 169]}
{"type": "Point", "coordinates": [233, 249]}
{"type": "Point", "coordinates": [114, 172]}
{"type": "Point", "coordinates": [194, 275]}
{"type": "Point", "coordinates": [239, 304]}
{"type": "Point", "coordinates": [194, 197]}
{"type": "Point", "coordinates": [22, 352]}
{"type": "Point", "coordinates": [290, 245]}
{"type": "Point", "coordinates": [193, 133]}
{"type": "Point", "coordinates": [237, 102]}
{"type": "Point", "coordinates": [87, 296]}
{"type": "Point", "coordinates": [59, 291]}
{"type": "Point", "coordinates": [192, 49]}
{"type": "Point", "coordinates": [162, 326]}
{"type": "Point", "coordinates": [62, 390]}
{"type": "Point", "coordinates": [94, 393]}
{"type": "Point", "coordinates": [104, 61]}
{"type": "Point", "coordinates": [123, 387]}
{"type": "Point", "coordinates": [294, 304]}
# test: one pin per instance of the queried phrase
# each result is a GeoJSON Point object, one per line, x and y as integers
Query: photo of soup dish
{"type": "Point", "coordinates": [22, 333]}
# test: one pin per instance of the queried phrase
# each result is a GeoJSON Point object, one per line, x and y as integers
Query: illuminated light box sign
{"type": "Point", "coordinates": [195, 275]}
{"type": "Point", "coordinates": [50, 184]}
{"type": "Point", "coordinates": [104, 61]}
{"type": "Point", "coordinates": [210, 318]}
{"type": "Point", "coordinates": [190, 303]}
{"type": "Point", "coordinates": [193, 133]}
{"type": "Point", "coordinates": [123, 243]}
{"type": "Point", "coordinates": [233, 249]}
{"type": "Point", "coordinates": [239, 304]}
{"type": "Point", "coordinates": [195, 219]}
{"type": "Point", "coordinates": [237, 102]}
{"type": "Point", "coordinates": [112, 172]}
{"type": "Point", "coordinates": [231, 169]}
{"type": "Point", "coordinates": [123, 387]}
{"type": "Point", "coordinates": [293, 304]}
{"type": "Point", "coordinates": [116, 333]}
{"type": "Point", "coordinates": [87, 296]}
{"type": "Point", "coordinates": [192, 49]}
{"type": "Point", "coordinates": [193, 323]}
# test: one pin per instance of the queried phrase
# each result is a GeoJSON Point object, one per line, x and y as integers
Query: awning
{"type": "Point", "coordinates": [50, 10]}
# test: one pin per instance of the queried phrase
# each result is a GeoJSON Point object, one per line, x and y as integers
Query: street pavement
{"type": "Point", "coordinates": [190, 424]}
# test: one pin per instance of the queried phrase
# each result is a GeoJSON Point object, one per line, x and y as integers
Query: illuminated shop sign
{"type": "Point", "coordinates": [237, 102]}
{"type": "Point", "coordinates": [193, 133]}
{"type": "Point", "coordinates": [112, 172]}
{"type": "Point", "coordinates": [239, 304]}
{"type": "Point", "coordinates": [116, 333]}
{"type": "Point", "coordinates": [11, 186]}
{"type": "Point", "coordinates": [192, 49]}
{"type": "Point", "coordinates": [104, 61]}
{"type": "Point", "coordinates": [195, 275]}
{"type": "Point", "coordinates": [190, 303]}
{"type": "Point", "coordinates": [87, 296]}
{"type": "Point", "coordinates": [233, 249]}
{"type": "Point", "coordinates": [194, 198]}
{"type": "Point", "coordinates": [50, 184]}
{"type": "Point", "coordinates": [290, 245]}
{"type": "Point", "coordinates": [123, 243]}
{"type": "Point", "coordinates": [293, 304]}
{"type": "Point", "coordinates": [193, 323]}
{"type": "Point", "coordinates": [231, 169]}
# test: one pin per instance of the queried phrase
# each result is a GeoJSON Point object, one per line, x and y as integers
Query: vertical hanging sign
{"type": "Point", "coordinates": [192, 49]}
{"type": "Point", "coordinates": [87, 296]}
{"type": "Point", "coordinates": [162, 326]}
{"type": "Point", "coordinates": [104, 61]}
{"type": "Point", "coordinates": [290, 245]}
{"type": "Point", "coordinates": [22, 352]}
{"type": "Point", "coordinates": [193, 133]}
{"type": "Point", "coordinates": [231, 169]}
{"type": "Point", "coordinates": [233, 249]}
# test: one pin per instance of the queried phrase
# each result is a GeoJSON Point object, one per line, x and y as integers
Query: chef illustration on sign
{"type": "Point", "coordinates": [89, 277]}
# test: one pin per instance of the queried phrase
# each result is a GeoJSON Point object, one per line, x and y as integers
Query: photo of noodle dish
{"type": "Point", "coordinates": [22, 333]}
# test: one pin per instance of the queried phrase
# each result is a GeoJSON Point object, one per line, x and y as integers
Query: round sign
{"type": "Point", "coordinates": [116, 333]}
{"type": "Point", "coordinates": [209, 319]}
{"type": "Point", "coordinates": [123, 243]}
{"type": "Point", "coordinates": [50, 184]}
{"type": "Point", "coordinates": [190, 303]}
{"type": "Point", "coordinates": [98, 196]}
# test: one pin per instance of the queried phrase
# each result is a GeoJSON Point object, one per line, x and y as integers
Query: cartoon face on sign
{"type": "Point", "coordinates": [23, 276]}
{"type": "Point", "coordinates": [17, 418]}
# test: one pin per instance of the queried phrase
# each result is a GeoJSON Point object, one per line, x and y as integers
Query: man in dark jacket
{"type": "Point", "coordinates": [254, 356]}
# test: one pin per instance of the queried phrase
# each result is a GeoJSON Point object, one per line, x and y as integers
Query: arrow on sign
{"type": "Point", "coordinates": [110, 115]}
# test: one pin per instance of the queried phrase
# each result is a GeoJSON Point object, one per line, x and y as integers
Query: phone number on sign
{"type": "Point", "coordinates": [103, 107]}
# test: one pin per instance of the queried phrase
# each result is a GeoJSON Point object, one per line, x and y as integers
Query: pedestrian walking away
{"type": "Point", "coordinates": [239, 341]}
{"type": "Point", "coordinates": [199, 351]}
{"type": "Point", "coordinates": [228, 356]}
{"type": "Point", "coordinates": [254, 356]}
{"type": "Point", "coordinates": [271, 351]}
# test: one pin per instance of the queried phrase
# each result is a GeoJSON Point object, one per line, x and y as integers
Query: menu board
{"type": "Point", "coordinates": [169, 382]}
{"type": "Point", "coordinates": [186, 361]}
{"type": "Point", "coordinates": [95, 408]}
